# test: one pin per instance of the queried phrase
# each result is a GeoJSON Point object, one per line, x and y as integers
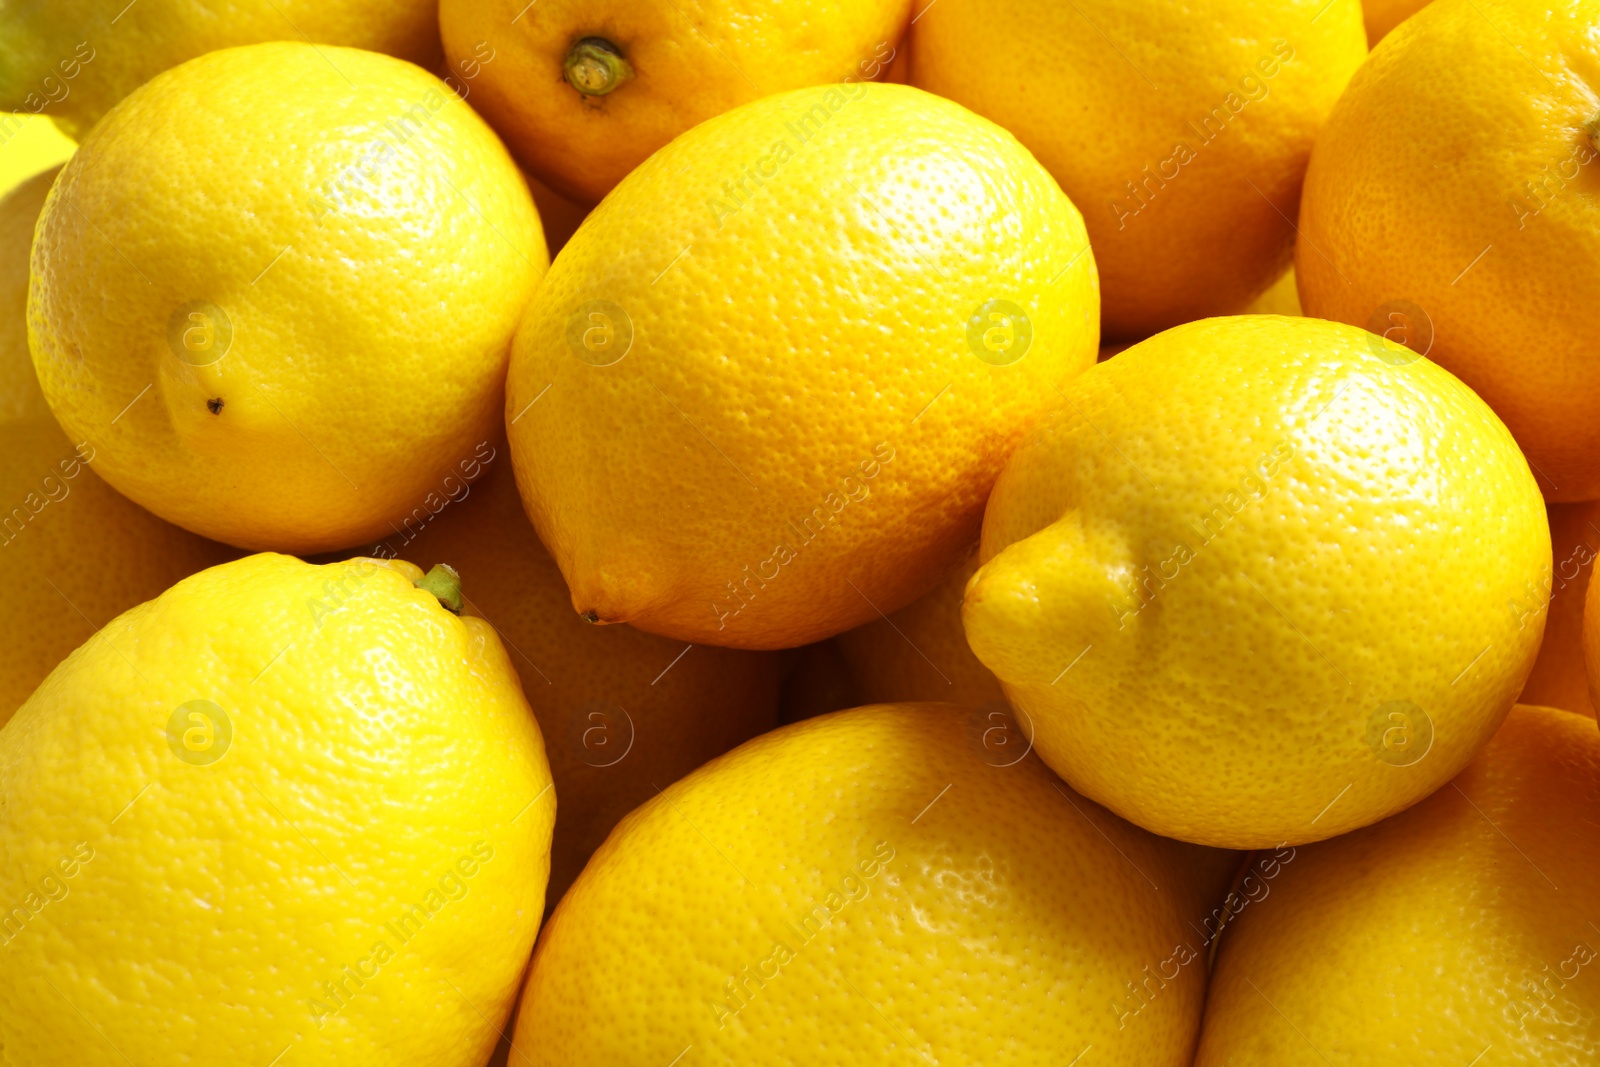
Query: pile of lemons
{"type": "Point", "coordinates": [648, 534]}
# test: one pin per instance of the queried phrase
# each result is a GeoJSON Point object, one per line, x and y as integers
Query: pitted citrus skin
{"type": "Point", "coordinates": [686, 68]}
{"type": "Point", "coordinates": [77, 552]}
{"type": "Point", "coordinates": [1236, 553]}
{"type": "Point", "coordinates": [920, 652]}
{"type": "Point", "coordinates": [278, 807]}
{"type": "Point", "coordinates": [1455, 930]}
{"type": "Point", "coordinates": [764, 391]}
{"type": "Point", "coordinates": [1181, 131]}
{"type": "Point", "coordinates": [276, 287]}
{"type": "Point", "coordinates": [1452, 199]}
{"type": "Point", "coordinates": [875, 886]}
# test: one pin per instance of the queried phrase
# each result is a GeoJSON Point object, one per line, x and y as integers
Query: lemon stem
{"type": "Point", "coordinates": [596, 67]}
{"type": "Point", "coordinates": [444, 583]}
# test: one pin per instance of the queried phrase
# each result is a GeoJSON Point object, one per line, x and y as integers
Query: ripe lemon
{"type": "Point", "coordinates": [1473, 261]}
{"type": "Point", "coordinates": [585, 90]}
{"type": "Point", "coordinates": [1262, 580]}
{"type": "Point", "coordinates": [275, 290]}
{"type": "Point", "coordinates": [74, 59]}
{"type": "Point", "coordinates": [860, 889]}
{"type": "Point", "coordinates": [1381, 16]}
{"type": "Point", "coordinates": [1558, 679]}
{"type": "Point", "coordinates": [762, 395]}
{"type": "Point", "coordinates": [29, 144]}
{"type": "Point", "coordinates": [1180, 131]}
{"type": "Point", "coordinates": [19, 211]}
{"type": "Point", "coordinates": [623, 713]}
{"type": "Point", "coordinates": [1459, 930]}
{"type": "Point", "coordinates": [77, 552]}
{"type": "Point", "coordinates": [307, 804]}
{"type": "Point", "coordinates": [1281, 299]}
{"type": "Point", "coordinates": [920, 652]}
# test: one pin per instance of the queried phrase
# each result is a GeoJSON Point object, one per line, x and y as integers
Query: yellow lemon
{"type": "Point", "coordinates": [1281, 299]}
{"type": "Point", "coordinates": [77, 553]}
{"type": "Point", "coordinates": [281, 811]}
{"type": "Point", "coordinates": [276, 288]}
{"type": "Point", "coordinates": [763, 393]}
{"type": "Point", "coordinates": [74, 59]}
{"type": "Point", "coordinates": [1474, 261]}
{"type": "Point", "coordinates": [585, 90]}
{"type": "Point", "coordinates": [1558, 679]}
{"type": "Point", "coordinates": [19, 211]}
{"type": "Point", "coordinates": [860, 889]}
{"type": "Point", "coordinates": [623, 713]}
{"type": "Point", "coordinates": [920, 652]}
{"type": "Point", "coordinates": [1381, 16]}
{"type": "Point", "coordinates": [1458, 932]}
{"type": "Point", "coordinates": [1262, 580]}
{"type": "Point", "coordinates": [29, 144]}
{"type": "Point", "coordinates": [1181, 131]}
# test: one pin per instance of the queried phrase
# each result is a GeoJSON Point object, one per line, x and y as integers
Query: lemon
{"type": "Point", "coordinates": [74, 59]}
{"type": "Point", "coordinates": [1381, 16]}
{"type": "Point", "coordinates": [78, 553]}
{"type": "Point", "coordinates": [799, 343]}
{"type": "Point", "coordinates": [585, 90]}
{"type": "Point", "coordinates": [29, 144]}
{"type": "Point", "coordinates": [624, 713]}
{"type": "Point", "coordinates": [920, 652]}
{"type": "Point", "coordinates": [1473, 263]}
{"type": "Point", "coordinates": [307, 804]}
{"type": "Point", "coordinates": [19, 211]}
{"type": "Point", "coordinates": [1558, 679]}
{"type": "Point", "coordinates": [1281, 299]}
{"type": "Point", "coordinates": [860, 889]}
{"type": "Point", "coordinates": [1181, 131]}
{"type": "Point", "coordinates": [275, 290]}
{"type": "Point", "coordinates": [1457, 931]}
{"type": "Point", "coordinates": [1262, 580]}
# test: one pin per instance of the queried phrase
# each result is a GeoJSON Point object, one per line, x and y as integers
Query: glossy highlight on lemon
{"type": "Point", "coordinates": [285, 356]}
{"type": "Point", "coordinates": [313, 773]}
{"type": "Point", "coordinates": [1487, 250]}
{"type": "Point", "coordinates": [1262, 580]}
{"type": "Point", "coordinates": [799, 361]}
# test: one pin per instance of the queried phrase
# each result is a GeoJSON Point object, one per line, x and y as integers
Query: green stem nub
{"type": "Point", "coordinates": [444, 583]}
{"type": "Point", "coordinates": [596, 67]}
